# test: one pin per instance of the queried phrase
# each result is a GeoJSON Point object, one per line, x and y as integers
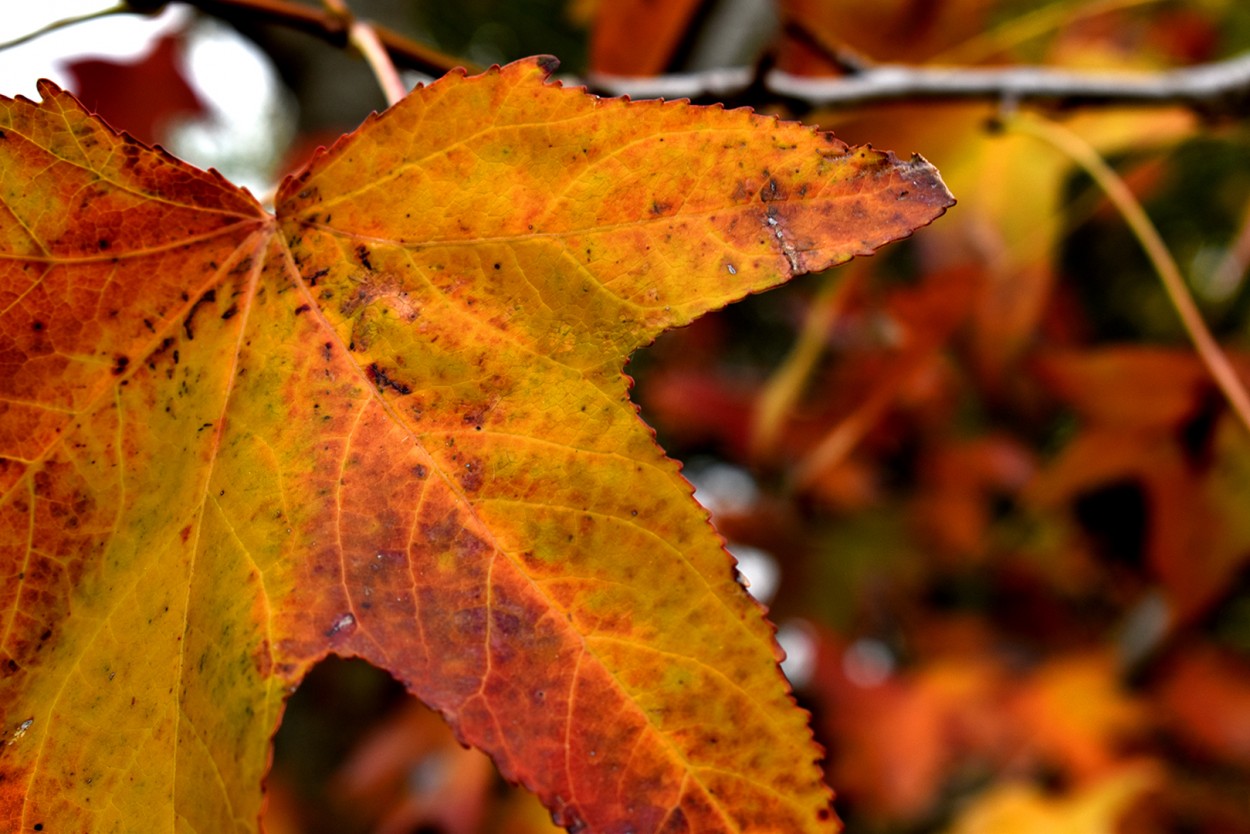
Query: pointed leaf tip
{"type": "Point", "coordinates": [547, 63]}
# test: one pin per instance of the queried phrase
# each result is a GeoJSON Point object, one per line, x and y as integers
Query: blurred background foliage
{"type": "Point", "coordinates": [997, 507]}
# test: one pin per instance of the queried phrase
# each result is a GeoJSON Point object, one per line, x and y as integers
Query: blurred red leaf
{"type": "Point", "coordinates": [954, 506]}
{"type": "Point", "coordinates": [638, 37]}
{"type": "Point", "coordinates": [1206, 700]}
{"type": "Point", "coordinates": [1143, 413]}
{"type": "Point", "coordinates": [141, 97]}
{"type": "Point", "coordinates": [1131, 386]}
{"type": "Point", "coordinates": [895, 738]}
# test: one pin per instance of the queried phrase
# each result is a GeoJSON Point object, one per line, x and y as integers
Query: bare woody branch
{"type": "Point", "coordinates": [1217, 88]}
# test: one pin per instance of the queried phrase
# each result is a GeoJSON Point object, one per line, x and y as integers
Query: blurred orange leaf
{"type": "Point", "coordinates": [1023, 809]}
{"type": "Point", "coordinates": [1074, 713]}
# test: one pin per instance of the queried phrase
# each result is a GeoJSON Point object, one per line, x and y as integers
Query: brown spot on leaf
{"type": "Point", "coordinates": [773, 191]}
{"type": "Point", "coordinates": [471, 475]}
{"type": "Point", "coordinates": [207, 298]}
{"type": "Point", "coordinates": [382, 380]}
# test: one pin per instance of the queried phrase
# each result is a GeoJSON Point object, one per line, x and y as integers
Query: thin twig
{"type": "Point", "coordinates": [834, 448]}
{"type": "Point", "coordinates": [787, 383]}
{"type": "Point", "coordinates": [56, 25]}
{"type": "Point", "coordinates": [1148, 236]}
{"type": "Point", "coordinates": [365, 38]}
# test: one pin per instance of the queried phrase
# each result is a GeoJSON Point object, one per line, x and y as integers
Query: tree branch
{"type": "Point", "coordinates": [1217, 88]}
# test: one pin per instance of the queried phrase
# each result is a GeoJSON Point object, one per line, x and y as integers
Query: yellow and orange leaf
{"type": "Point", "coordinates": [391, 422]}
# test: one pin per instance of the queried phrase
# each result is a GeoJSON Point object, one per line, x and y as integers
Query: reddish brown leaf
{"type": "Point", "coordinates": [1206, 698]}
{"type": "Point", "coordinates": [638, 37]}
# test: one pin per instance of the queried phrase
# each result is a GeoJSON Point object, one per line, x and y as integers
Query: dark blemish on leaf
{"type": "Point", "coordinates": [380, 379]}
{"type": "Point", "coordinates": [347, 621]}
{"type": "Point", "coordinates": [498, 266]}
{"type": "Point", "coordinates": [507, 624]}
{"type": "Point", "coordinates": [471, 476]}
{"type": "Point", "coordinates": [303, 308]}
{"type": "Point", "coordinates": [36, 326]}
{"type": "Point", "coordinates": [419, 471]}
{"type": "Point", "coordinates": [316, 276]}
{"type": "Point", "coordinates": [103, 244]}
{"type": "Point", "coordinates": [176, 357]}
{"type": "Point", "coordinates": [772, 191]}
{"type": "Point", "coordinates": [568, 817]}
{"type": "Point", "coordinates": [658, 208]}
{"type": "Point", "coordinates": [230, 313]}
{"type": "Point", "coordinates": [362, 253]}
{"type": "Point", "coordinates": [119, 365]}
{"type": "Point", "coordinates": [209, 296]}
{"type": "Point", "coordinates": [148, 324]}
{"type": "Point", "coordinates": [185, 533]}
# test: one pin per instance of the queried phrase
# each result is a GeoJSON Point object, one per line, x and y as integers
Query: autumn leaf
{"type": "Point", "coordinates": [639, 37]}
{"type": "Point", "coordinates": [391, 422]}
{"type": "Point", "coordinates": [1023, 809]}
